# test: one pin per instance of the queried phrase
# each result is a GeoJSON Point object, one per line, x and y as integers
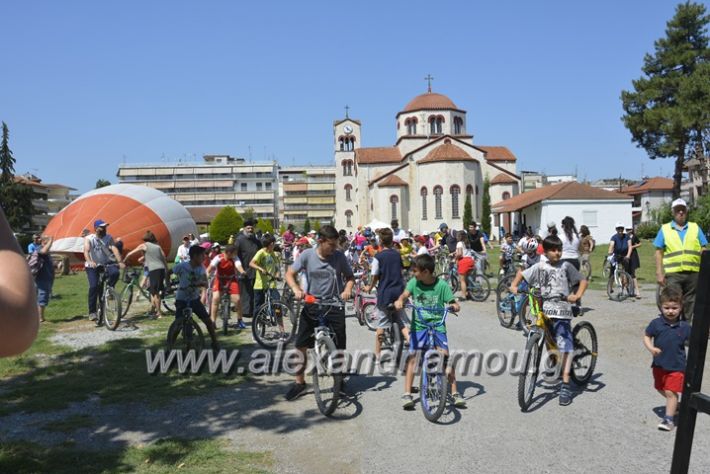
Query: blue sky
{"type": "Point", "coordinates": [87, 85]}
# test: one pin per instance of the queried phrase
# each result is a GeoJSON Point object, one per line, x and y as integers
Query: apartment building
{"type": "Point", "coordinates": [306, 191]}
{"type": "Point", "coordinates": [205, 188]}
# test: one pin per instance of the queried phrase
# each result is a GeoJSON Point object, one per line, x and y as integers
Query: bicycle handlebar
{"type": "Point", "coordinates": [332, 302]}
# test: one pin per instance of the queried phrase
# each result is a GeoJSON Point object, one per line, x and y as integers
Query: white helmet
{"type": "Point", "coordinates": [530, 246]}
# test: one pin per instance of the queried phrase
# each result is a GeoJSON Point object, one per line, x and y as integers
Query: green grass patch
{"type": "Point", "coordinates": [69, 424]}
{"type": "Point", "coordinates": [163, 457]}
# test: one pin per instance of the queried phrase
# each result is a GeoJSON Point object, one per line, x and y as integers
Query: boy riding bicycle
{"type": "Point", "coordinates": [266, 264]}
{"type": "Point", "coordinates": [227, 266]}
{"type": "Point", "coordinates": [429, 292]}
{"type": "Point", "coordinates": [555, 280]}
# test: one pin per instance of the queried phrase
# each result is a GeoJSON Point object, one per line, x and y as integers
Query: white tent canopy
{"type": "Point", "coordinates": [377, 224]}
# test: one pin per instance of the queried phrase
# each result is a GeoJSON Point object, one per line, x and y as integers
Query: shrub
{"type": "Point", "coordinates": [227, 222]}
{"type": "Point", "coordinates": [647, 230]}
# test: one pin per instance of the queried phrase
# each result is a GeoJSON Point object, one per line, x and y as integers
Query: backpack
{"type": "Point", "coordinates": [35, 262]}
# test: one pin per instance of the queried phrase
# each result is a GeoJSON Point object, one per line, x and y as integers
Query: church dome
{"type": "Point", "coordinates": [430, 101]}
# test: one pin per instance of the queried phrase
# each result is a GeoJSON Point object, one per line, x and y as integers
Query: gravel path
{"type": "Point", "coordinates": [609, 427]}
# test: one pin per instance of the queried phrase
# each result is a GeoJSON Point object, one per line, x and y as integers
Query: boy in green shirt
{"type": "Point", "coordinates": [427, 291]}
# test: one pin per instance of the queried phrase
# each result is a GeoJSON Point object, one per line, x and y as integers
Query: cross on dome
{"type": "Point", "coordinates": [429, 78]}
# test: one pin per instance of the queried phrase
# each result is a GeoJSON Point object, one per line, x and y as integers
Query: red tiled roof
{"type": "Point", "coordinates": [430, 101]}
{"type": "Point", "coordinates": [392, 181]}
{"type": "Point", "coordinates": [497, 153]}
{"type": "Point", "coordinates": [651, 184]}
{"type": "Point", "coordinates": [377, 155]}
{"type": "Point", "coordinates": [204, 215]}
{"type": "Point", "coordinates": [447, 152]}
{"type": "Point", "coordinates": [570, 190]}
{"type": "Point", "coordinates": [502, 178]}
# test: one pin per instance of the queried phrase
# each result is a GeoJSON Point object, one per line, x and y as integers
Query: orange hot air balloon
{"type": "Point", "coordinates": [130, 210]}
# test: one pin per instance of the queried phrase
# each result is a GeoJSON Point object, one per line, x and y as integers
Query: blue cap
{"type": "Point", "coordinates": [443, 226]}
{"type": "Point", "coordinates": [100, 223]}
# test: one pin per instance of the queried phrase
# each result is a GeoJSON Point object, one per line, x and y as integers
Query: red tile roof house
{"type": "Point", "coordinates": [649, 195]}
{"type": "Point", "coordinates": [597, 208]}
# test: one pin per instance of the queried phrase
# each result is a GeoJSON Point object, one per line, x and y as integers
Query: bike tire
{"type": "Point", "coordinates": [224, 314]}
{"type": "Point", "coordinates": [606, 269]}
{"type": "Point", "coordinates": [434, 392]}
{"type": "Point", "coordinates": [611, 287]}
{"type": "Point", "coordinates": [168, 301]}
{"type": "Point", "coordinates": [630, 287]}
{"type": "Point", "coordinates": [480, 290]}
{"type": "Point", "coordinates": [126, 299]}
{"type": "Point", "coordinates": [112, 309]}
{"type": "Point", "coordinates": [326, 385]}
{"type": "Point", "coordinates": [585, 352]}
{"type": "Point", "coordinates": [177, 339]}
{"type": "Point", "coordinates": [505, 305]}
{"type": "Point", "coordinates": [369, 315]}
{"type": "Point", "coordinates": [529, 371]}
{"type": "Point", "coordinates": [265, 328]}
{"type": "Point", "coordinates": [527, 319]}
{"type": "Point", "coordinates": [452, 282]}
{"type": "Point", "coordinates": [392, 342]}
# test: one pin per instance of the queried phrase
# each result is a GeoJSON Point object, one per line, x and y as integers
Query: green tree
{"type": "Point", "coordinates": [307, 226]}
{"type": "Point", "coordinates": [7, 161]}
{"type": "Point", "coordinates": [265, 226]}
{"type": "Point", "coordinates": [486, 208]}
{"type": "Point", "coordinates": [282, 229]}
{"type": "Point", "coordinates": [15, 197]}
{"type": "Point", "coordinates": [102, 183]}
{"type": "Point", "coordinates": [227, 222]}
{"type": "Point", "coordinates": [701, 213]}
{"type": "Point", "coordinates": [668, 110]}
{"type": "Point", "coordinates": [316, 225]}
{"type": "Point", "coordinates": [467, 212]}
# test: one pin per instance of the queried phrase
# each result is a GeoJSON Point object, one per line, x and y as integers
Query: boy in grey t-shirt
{"type": "Point", "coordinates": [329, 276]}
{"type": "Point", "coordinates": [555, 280]}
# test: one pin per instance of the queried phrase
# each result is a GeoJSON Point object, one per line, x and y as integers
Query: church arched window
{"type": "Point", "coordinates": [341, 143]}
{"type": "Point", "coordinates": [436, 124]}
{"type": "Point", "coordinates": [350, 143]}
{"type": "Point", "coordinates": [455, 191]}
{"type": "Point", "coordinates": [347, 168]}
{"type": "Point", "coordinates": [394, 200]}
{"type": "Point", "coordinates": [506, 195]}
{"type": "Point", "coordinates": [469, 191]}
{"type": "Point", "coordinates": [458, 126]}
{"type": "Point", "coordinates": [423, 193]}
{"type": "Point", "coordinates": [438, 191]}
{"type": "Point", "coordinates": [348, 218]}
{"type": "Point", "coordinates": [348, 189]}
{"type": "Point", "coordinates": [411, 124]}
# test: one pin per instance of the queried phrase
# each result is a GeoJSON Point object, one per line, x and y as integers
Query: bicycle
{"type": "Point", "coordinates": [391, 339]}
{"type": "Point", "coordinates": [433, 384]}
{"type": "Point", "coordinates": [540, 337]}
{"type": "Point", "coordinates": [225, 305]}
{"type": "Point", "coordinates": [327, 379]}
{"type": "Point", "coordinates": [619, 282]}
{"type": "Point", "coordinates": [508, 305]}
{"type": "Point", "coordinates": [478, 288]}
{"type": "Point", "coordinates": [185, 325]}
{"type": "Point", "coordinates": [109, 304]}
{"type": "Point", "coordinates": [132, 280]}
{"type": "Point", "coordinates": [364, 304]}
{"type": "Point", "coordinates": [273, 322]}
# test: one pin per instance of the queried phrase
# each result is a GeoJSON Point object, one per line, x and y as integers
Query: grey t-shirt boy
{"type": "Point", "coordinates": [554, 282]}
{"type": "Point", "coordinates": [326, 278]}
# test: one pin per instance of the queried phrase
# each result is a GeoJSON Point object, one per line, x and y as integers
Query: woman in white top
{"type": "Point", "coordinates": [465, 263]}
{"type": "Point", "coordinates": [570, 242]}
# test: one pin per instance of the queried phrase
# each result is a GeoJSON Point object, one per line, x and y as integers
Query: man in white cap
{"type": "Point", "coordinates": [679, 244]}
{"type": "Point", "coordinates": [311, 236]}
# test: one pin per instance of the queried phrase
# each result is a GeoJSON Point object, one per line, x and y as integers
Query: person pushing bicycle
{"type": "Point", "coordinates": [226, 266]}
{"type": "Point", "coordinates": [555, 280]}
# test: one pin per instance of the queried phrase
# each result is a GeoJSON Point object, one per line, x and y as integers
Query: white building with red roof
{"type": "Point", "coordinates": [649, 195]}
{"type": "Point", "coordinates": [424, 178]}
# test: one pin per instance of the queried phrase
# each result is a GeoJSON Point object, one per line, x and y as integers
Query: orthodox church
{"type": "Point", "coordinates": [425, 177]}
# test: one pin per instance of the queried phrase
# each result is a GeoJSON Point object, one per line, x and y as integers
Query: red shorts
{"type": "Point", "coordinates": [232, 285]}
{"type": "Point", "coordinates": [668, 379]}
{"type": "Point", "coordinates": [465, 265]}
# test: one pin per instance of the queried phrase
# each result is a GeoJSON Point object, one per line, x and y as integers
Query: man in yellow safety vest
{"type": "Point", "coordinates": [678, 247]}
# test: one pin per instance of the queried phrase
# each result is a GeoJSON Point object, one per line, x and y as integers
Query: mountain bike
{"type": "Point", "coordinates": [442, 260]}
{"type": "Point", "coordinates": [133, 288]}
{"type": "Point", "coordinates": [541, 340]}
{"type": "Point", "coordinates": [391, 339]}
{"type": "Point", "coordinates": [327, 374]}
{"type": "Point", "coordinates": [433, 382]}
{"type": "Point", "coordinates": [185, 333]}
{"type": "Point", "coordinates": [109, 305]}
{"type": "Point", "coordinates": [619, 285]}
{"type": "Point", "coordinates": [478, 288]}
{"type": "Point", "coordinates": [364, 304]}
{"type": "Point", "coordinates": [508, 305]}
{"type": "Point", "coordinates": [225, 305]}
{"type": "Point", "coordinates": [273, 322]}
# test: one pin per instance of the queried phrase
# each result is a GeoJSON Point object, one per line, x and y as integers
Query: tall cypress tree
{"type": "Point", "coordinates": [7, 161]}
{"type": "Point", "coordinates": [486, 207]}
{"type": "Point", "coordinates": [667, 110]}
{"type": "Point", "coordinates": [467, 212]}
{"type": "Point", "coordinates": [15, 198]}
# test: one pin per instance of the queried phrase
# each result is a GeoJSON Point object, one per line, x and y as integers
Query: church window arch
{"type": "Point", "coordinates": [506, 195]}
{"type": "Point", "coordinates": [348, 218]}
{"type": "Point", "coordinates": [424, 193]}
{"type": "Point", "coordinates": [341, 143]}
{"type": "Point", "coordinates": [455, 191]}
{"type": "Point", "coordinates": [348, 190]}
{"type": "Point", "coordinates": [347, 167]}
{"type": "Point", "coordinates": [458, 126]}
{"type": "Point", "coordinates": [411, 124]}
{"type": "Point", "coordinates": [469, 191]}
{"type": "Point", "coordinates": [350, 143]}
{"type": "Point", "coordinates": [394, 200]}
{"type": "Point", "coordinates": [438, 191]}
{"type": "Point", "coordinates": [436, 124]}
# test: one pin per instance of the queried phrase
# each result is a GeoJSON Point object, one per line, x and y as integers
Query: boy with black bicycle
{"type": "Point", "coordinates": [266, 265]}
{"type": "Point", "coordinates": [555, 279]}
{"type": "Point", "coordinates": [427, 291]}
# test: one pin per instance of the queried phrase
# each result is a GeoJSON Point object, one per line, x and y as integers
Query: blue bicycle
{"type": "Point", "coordinates": [510, 306]}
{"type": "Point", "coordinates": [433, 384]}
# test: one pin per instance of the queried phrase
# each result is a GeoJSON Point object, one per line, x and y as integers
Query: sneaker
{"type": "Point", "coordinates": [407, 401]}
{"type": "Point", "coordinates": [241, 325]}
{"type": "Point", "coordinates": [666, 425]}
{"type": "Point", "coordinates": [459, 402]}
{"type": "Point", "coordinates": [295, 391]}
{"type": "Point", "coordinates": [565, 395]}
{"type": "Point", "coordinates": [93, 317]}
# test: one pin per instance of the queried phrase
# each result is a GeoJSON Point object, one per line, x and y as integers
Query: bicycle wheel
{"type": "Point", "coordinates": [185, 335]}
{"type": "Point", "coordinates": [126, 299]}
{"type": "Point", "coordinates": [265, 326]}
{"type": "Point", "coordinates": [606, 269]}
{"type": "Point", "coordinates": [225, 307]}
{"type": "Point", "coordinates": [527, 319]}
{"type": "Point", "coordinates": [392, 342]}
{"type": "Point", "coordinates": [453, 282]}
{"type": "Point", "coordinates": [479, 289]}
{"type": "Point", "coordinates": [505, 304]}
{"type": "Point", "coordinates": [611, 290]}
{"type": "Point", "coordinates": [326, 383]}
{"type": "Point", "coordinates": [585, 352]}
{"type": "Point", "coordinates": [434, 391]}
{"type": "Point", "coordinates": [112, 309]}
{"type": "Point", "coordinates": [168, 300]}
{"type": "Point", "coordinates": [370, 316]}
{"type": "Point", "coordinates": [630, 287]}
{"type": "Point", "coordinates": [530, 370]}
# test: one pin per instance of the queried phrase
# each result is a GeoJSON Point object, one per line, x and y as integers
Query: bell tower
{"type": "Point", "coordinates": [346, 139]}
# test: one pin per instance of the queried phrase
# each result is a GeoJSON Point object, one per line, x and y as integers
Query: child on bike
{"type": "Point", "coordinates": [665, 339]}
{"type": "Point", "coordinates": [386, 273]}
{"type": "Point", "coordinates": [555, 280]}
{"type": "Point", "coordinates": [507, 250]}
{"type": "Point", "coordinates": [465, 263]}
{"type": "Point", "coordinates": [192, 277]}
{"type": "Point", "coordinates": [266, 264]}
{"type": "Point", "coordinates": [428, 291]}
{"type": "Point", "coordinates": [227, 266]}
{"type": "Point", "coordinates": [406, 251]}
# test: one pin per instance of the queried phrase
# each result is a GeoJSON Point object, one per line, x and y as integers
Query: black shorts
{"type": "Point", "coordinates": [198, 309]}
{"type": "Point", "coordinates": [307, 325]}
{"type": "Point", "coordinates": [156, 279]}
